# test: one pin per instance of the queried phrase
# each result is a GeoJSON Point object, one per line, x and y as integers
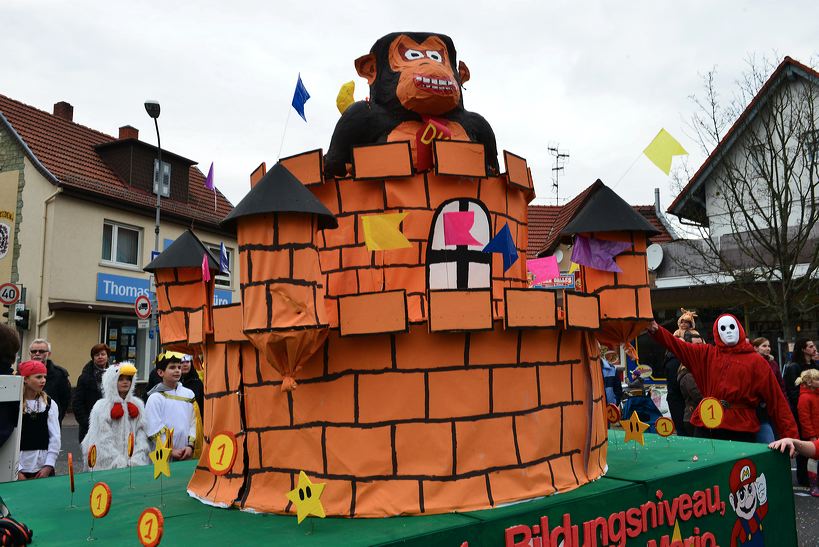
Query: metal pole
{"type": "Point", "coordinates": [160, 176]}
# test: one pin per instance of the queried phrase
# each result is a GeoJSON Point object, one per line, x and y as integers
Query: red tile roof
{"type": "Point", "coordinates": [787, 64]}
{"type": "Point", "coordinates": [66, 150]}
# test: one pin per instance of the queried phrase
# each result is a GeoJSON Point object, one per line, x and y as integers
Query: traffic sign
{"type": "Point", "coordinates": [143, 323]}
{"type": "Point", "coordinates": [142, 307]}
{"type": "Point", "coordinates": [9, 293]}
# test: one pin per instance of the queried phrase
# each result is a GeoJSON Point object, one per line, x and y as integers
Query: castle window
{"type": "Point", "coordinates": [459, 266]}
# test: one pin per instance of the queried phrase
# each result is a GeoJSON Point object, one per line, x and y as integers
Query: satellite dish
{"type": "Point", "coordinates": [654, 256]}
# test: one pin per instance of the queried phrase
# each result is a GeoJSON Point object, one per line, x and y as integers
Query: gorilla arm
{"type": "Point", "coordinates": [479, 130]}
{"type": "Point", "coordinates": [362, 123]}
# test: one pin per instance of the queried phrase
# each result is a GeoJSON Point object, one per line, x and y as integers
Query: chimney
{"type": "Point", "coordinates": [128, 132]}
{"type": "Point", "coordinates": [657, 201]}
{"type": "Point", "coordinates": [64, 111]}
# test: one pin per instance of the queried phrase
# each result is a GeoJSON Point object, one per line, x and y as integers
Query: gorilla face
{"type": "Point", "coordinates": [728, 330]}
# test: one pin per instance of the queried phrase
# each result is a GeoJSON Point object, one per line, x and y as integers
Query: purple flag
{"type": "Point", "coordinates": [544, 269]}
{"type": "Point", "coordinates": [598, 253]}
{"type": "Point", "coordinates": [209, 179]}
{"type": "Point", "coordinates": [457, 226]}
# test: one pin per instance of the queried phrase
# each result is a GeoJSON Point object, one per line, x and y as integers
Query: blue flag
{"type": "Point", "coordinates": [300, 97]}
{"type": "Point", "coordinates": [223, 259]}
{"type": "Point", "coordinates": [504, 244]}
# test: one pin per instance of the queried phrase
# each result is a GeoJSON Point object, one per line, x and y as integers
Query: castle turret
{"type": "Point", "coordinates": [283, 312]}
{"type": "Point", "coordinates": [184, 302]}
{"type": "Point", "coordinates": [625, 299]}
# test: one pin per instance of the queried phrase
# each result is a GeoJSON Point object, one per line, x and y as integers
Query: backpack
{"type": "Point", "coordinates": [12, 532]}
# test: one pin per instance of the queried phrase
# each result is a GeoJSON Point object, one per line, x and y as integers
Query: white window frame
{"type": "Point", "coordinates": [222, 280]}
{"type": "Point", "coordinates": [115, 226]}
{"type": "Point", "coordinates": [166, 178]}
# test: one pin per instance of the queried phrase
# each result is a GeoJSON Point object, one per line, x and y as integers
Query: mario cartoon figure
{"type": "Point", "coordinates": [749, 499]}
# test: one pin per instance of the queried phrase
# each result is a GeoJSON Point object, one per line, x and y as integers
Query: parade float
{"type": "Point", "coordinates": [389, 348]}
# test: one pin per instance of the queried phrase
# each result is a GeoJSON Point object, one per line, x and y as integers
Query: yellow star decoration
{"type": "Point", "coordinates": [634, 429]}
{"type": "Point", "coordinates": [160, 456]}
{"type": "Point", "coordinates": [307, 497]}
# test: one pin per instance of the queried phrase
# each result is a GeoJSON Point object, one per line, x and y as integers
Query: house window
{"type": "Point", "coordinates": [120, 244]}
{"type": "Point", "coordinates": [459, 266]}
{"type": "Point", "coordinates": [223, 278]}
{"type": "Point", "coordinates": [166, 178]}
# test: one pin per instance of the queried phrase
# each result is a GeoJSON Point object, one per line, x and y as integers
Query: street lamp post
{"type": "Point", "coordinates": [152, 108]}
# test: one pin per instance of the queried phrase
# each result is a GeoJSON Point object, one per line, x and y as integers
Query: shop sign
{"type": "Point", "coordinates": [121, 288]}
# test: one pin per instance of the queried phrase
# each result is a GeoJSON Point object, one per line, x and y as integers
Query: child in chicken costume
{"type": "Point", "coordinates": [114, 417]}
{"type": "Point", "coordinates": [732, 372]}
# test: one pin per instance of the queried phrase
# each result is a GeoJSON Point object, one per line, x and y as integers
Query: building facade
{"type": "Point", "coordinates": [77, 208]}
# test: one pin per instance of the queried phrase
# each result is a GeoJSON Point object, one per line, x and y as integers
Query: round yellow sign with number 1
{"type": "Point", "coordinates": [222, 453]}
{"type": "Point", "coordinates": [150, 526]}
{"type": "Point", "coordinates": [100, 500]}
{"type": "Point", "coordinates": [664, 426]}
{"type": "Point", "coordinates": [711, 412]}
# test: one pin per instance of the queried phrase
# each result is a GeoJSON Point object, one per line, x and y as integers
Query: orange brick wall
{"type": "Point", "coordinates": [180, 292]}
{"type": "Point", "coordinates": [349, 268]}
{"type": "Point", "coordinates": [494, 417]}
{"type": "Point", "coordinates": [404, 423]}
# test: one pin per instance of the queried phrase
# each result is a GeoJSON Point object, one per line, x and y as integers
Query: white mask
{"type": "Point", "coordinates": [728, 330]}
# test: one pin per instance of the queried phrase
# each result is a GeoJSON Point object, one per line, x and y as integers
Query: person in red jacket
{"type": "Point", "coordinates": [809, 416]}
{"type": "Point", "coordinates": [731, 372]}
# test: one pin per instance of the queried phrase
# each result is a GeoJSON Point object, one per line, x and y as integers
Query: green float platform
{"type": "Point", "coordinates": [641, 480]}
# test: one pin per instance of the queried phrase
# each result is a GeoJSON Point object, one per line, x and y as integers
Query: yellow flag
{"type": "Point", "coordinates": [382, 232]}
{"type": "Point", "coordinates": [574, 267]}
{"type": "Point", "coordinates": [345, 96]}
{"type": "Point", "coordinates": [662, 148]}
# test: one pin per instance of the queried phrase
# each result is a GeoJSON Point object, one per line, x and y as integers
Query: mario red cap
{"type": "Point", "coordinates": [743, 472]}
{"type": "Point", "coordinates": [27, 368]}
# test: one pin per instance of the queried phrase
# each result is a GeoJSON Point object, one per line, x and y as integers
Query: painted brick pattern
{"type": "Point", "coordinates": [349, 268]}
{"type": "Point", "coordinates": [403, 423]}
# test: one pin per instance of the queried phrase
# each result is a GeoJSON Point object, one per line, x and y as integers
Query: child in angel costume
{"type": "Point", "coordinates": [116, 416]}
{"type": "Point", "coordinates": [172, 409]}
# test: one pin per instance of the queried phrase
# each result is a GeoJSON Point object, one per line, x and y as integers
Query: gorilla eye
{"type": "Point", "coordinates": [413, 55]}
{"type": "Point", "coordinates": [435, 56]}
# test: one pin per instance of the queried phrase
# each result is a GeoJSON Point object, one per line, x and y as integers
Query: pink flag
{"type": "Point", "coordinates": [205, 269]}
{"type": "Point", "coordinates": [544, 269]}
{"type": "Point", "coordinates": [456, 228]}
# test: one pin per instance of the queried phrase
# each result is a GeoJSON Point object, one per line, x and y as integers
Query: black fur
{"type": "Point", "coordinates": [371, 122]}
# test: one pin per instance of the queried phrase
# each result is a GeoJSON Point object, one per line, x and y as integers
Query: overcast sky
{"type": "Point", "coordinates": [597, 78]}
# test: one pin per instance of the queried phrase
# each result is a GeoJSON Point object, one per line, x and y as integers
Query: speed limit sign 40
{"type": "Point", "coordinates": [9, 294]}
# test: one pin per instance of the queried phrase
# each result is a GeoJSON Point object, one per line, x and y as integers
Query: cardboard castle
{"type": "Point", "coordinates": [417, 380]}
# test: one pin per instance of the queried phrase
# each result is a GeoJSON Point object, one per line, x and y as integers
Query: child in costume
{"type": "Point", "coordinates": [809, 417]}
{"type": "Point", "coordinates": [685, 322]}
{"type": "Point", "coordinates": [113, 418]}
{"type": "Point", "coordinates": [172, 407]}
{"type": "Point", "coordinates": [40, 434]}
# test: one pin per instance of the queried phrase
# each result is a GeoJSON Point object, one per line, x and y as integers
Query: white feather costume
{"type": "Point", "coordinates": [110, 434]}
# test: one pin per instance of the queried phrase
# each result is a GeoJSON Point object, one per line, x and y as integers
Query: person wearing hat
{"type": "Point", "coordinates": [116, 416]}
{"type": "Point", "coordinates": [749, 500]}
{"type": "Point", "coordinates": [172, 407]}
{"type": "Point", "coordinates": [732, 372]}
{"type": "Point", "coordinates": [40, 433]}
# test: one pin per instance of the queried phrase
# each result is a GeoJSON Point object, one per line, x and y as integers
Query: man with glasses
{"type": "Point", "coordinates": [58, 385]}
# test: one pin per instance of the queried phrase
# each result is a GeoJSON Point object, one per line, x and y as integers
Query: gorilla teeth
{"type": "Point", "coordinates": [434, 84]}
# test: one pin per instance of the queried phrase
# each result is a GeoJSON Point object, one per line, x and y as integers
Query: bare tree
{"type": "Point", "coordinates": [759, 237]}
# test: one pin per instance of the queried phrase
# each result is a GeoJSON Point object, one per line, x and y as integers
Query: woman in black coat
{"type": "Point", "coordinates": [804, 352]}
{"type": "Point", "coordinates": [88, 390]}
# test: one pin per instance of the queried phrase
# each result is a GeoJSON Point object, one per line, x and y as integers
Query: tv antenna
{"type": "Point", "coordinates": [560, 159]}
